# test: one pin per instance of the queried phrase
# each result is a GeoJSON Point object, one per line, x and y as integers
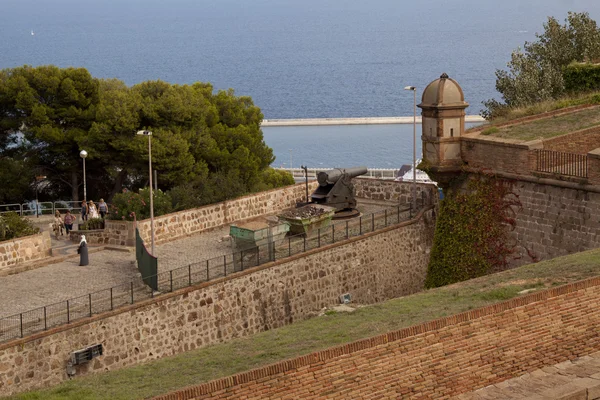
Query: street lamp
{"type": "Point", "coordinates": [291, 161]}
{"type": "Point", "coordinates": [83, 154]}
{"type": "Point", "coordinates": [38, 179]}
{"type": "Point", "coordinates": [414, 186]}
{"type": "Point", "coordinates": [149, 134]}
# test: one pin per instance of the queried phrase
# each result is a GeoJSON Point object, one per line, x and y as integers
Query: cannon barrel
{"type": "Point", "coordinates": [333, 175]}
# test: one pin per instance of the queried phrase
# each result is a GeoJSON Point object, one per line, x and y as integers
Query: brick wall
{"type": "Point", "coordinates": [579, 142]}
{"type": "Point", "coordinates": [377, 266]}
{"type": "Point", "coordinates": [488, 154]}
{"type": "Point", "coordinates": [15, 252]}
{"type": "Point", "coordinates": [433, 360]}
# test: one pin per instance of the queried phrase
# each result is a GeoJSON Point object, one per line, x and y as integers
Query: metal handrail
{"type": "Point", "coordinates": [46, 317]}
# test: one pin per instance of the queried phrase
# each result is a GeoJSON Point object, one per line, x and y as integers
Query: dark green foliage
{"type": "Point", "coordinates": [209, 141]}
{"type": "Point", "coordinates": [92, 223]}
{"type": "Point", "coordinates": [12, 226]}
{"type": "Point", "coordinates": [471, 234]}
{"type": "Point", "coordinates": [582, 77]}
{"type": "Point", "coordinates": [126, 206]}
{"type": "Point", "coordinates": [535, 73]}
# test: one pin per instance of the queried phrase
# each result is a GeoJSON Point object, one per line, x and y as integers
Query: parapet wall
{"type": "Point", "coordinates": [437, 359]}
{"type": "Point", "coordinates": [394, 191]}
{"type": "Point", "coordinates": [15, 252]}
{"type": "Point", "coordinates": [579, 142]}
{"type": "Point", "coordinates": [374, 267]}
{"type": "Point", "coordinates": [176, 225]}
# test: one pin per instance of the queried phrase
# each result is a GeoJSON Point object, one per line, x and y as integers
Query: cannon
{"type": "Point", "coordinates": [336, 189]}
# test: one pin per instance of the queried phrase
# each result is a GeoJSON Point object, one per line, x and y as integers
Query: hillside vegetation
{"type": "Point", "coordinates": [331, 329]}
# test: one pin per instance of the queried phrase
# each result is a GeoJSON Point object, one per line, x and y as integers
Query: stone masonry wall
{"type": "Point", "coordinates": [119, 233]}
{"type": "Point", "coordinates": [29, 248]}
{"type": "Point", "coordinates": [377, 266]}
{"type": "Point", "coordinates": [555, 221]}
{"type": "Point", "coordinates": [389, 190]}
{"type": "Point", "coordinates": [437, 359]}
{"type": "Point", "coordinates": [183, 223]}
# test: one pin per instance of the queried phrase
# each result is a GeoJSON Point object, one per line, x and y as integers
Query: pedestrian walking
{"type": "Point", "coordinates": [83, 252]}
{"type": "Point", "coordinates": [102, 208]}
{"type": "Point", "coordinates": [58, 224]}
{"type": "Point", "coordinates": [84, 211]}
{"type": "Point", "coordinates": [69, 220]}
{"type": "Point", "coordinates": [92, 210]}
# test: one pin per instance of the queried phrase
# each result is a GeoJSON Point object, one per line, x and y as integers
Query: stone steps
{"type": "Point", "coordinates": [569, 380]}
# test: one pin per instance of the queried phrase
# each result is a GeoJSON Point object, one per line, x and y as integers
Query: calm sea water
{"type": "Point", "coordinates": [374, 146]}
{"type": "Point", "coordinates": [295, 58]}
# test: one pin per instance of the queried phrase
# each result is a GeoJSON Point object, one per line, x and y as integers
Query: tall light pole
{"type": "Point", "coordinates": [414, 185]}
{"type": "Point", "coordinates": [291, 161]}
{"type": "Point", "coordinates": [83, 154]}
{"type": "Point", "coordinates": [38, 179]}
{"type": "Point", "coordinates": [149, 134]}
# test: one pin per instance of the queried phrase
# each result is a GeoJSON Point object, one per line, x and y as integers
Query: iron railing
{"type": "Point", "coordinates": [66, 311]}
{"type": "Point", "coordinates": [558, 162]}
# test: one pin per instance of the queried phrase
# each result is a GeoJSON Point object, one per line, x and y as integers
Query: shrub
{"type": "Point", "coordinates": [489, 131]}
{"type": "Point", "coordinates": [129, 204]}
{"type": "Point", "coordinates": [92, 223]}
{"type": "Point", "coordinates": [12, 226]}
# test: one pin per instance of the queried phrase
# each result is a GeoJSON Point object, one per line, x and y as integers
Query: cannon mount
{"type": "Point", "coordinates": [336, 189]}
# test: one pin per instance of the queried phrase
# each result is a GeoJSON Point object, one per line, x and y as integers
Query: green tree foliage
{"type": "Point", "coordinates": [13, 226]}
{"type": "Point", "coordinates": [535, 73]}
{"type": "Point", "coordinates": [53, 109]}
{"type": "Point", "coordinates": [469, 244]}
{"type": "Point", "coordinates": [126, 206]}
{"type": "Point", "coordinates": [581, 77]}
{"type": "Point", "coordinates": [207, 146]}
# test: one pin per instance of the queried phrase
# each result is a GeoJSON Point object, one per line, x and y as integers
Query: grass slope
{"type": "Point", "coordinates": [549, 127]}
{"type": "Point", "coordinates": [169, 374]}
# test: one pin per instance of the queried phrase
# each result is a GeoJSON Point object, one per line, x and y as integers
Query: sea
{"type": "Point", "coordinates": [295, 58]}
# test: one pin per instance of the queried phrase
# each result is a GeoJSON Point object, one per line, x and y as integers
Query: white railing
{"type": "Point", "coordinates": [375, 173]}
{"type": "Point", "coordinates": [41, 208]}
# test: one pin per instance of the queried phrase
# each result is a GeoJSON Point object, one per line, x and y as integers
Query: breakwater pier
{"type": "Point", "coordinates": [354, 121]}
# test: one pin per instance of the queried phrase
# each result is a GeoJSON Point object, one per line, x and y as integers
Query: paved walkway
{"type": "Point", "coordinates": [62, 278]}
{"type": "Point", "coordinates": [570, 380]}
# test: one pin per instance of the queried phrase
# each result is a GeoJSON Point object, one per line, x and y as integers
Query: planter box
{"type": "Point", "coordinates": [302, 222]}
{"type": "Point", "coordinates": [257, 233]}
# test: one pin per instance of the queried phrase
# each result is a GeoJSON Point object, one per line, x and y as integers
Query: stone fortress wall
{"type": "Point", "coordinates": [559, 214]}
{"type": "Point", "coordinates": [554, 221]}
{"type": "Point", "coordinates": [436, 359]}
{"type": "Point", "coordinates": [16, 252]}
{"type": "Point", "coordinates": [373, 267]}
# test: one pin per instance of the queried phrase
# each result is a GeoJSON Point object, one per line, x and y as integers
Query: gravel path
{"type": "Point", "coordinates": [193, 249]}
{"type": "Point", "coordinates": [65, 280]}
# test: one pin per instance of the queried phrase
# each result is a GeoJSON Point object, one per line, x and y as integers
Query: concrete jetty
{"type": "Point", "coordinates": [353, 121]}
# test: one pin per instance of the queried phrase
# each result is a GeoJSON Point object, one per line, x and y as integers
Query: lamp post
{"type": "Point", "coordinates": [291, 161]}
{"type": "Point", "coordinates": [305, 180]}
{"type": "Point", "coordinates": [414, 185]}
{"type": "Point", "coordinates": [83, 154]}
{"type": "Point", "coordinates": [38, 179]}
{"type": "Point", "coordinates": [149, 134]}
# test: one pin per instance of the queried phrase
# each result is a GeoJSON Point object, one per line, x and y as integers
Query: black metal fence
{"type": "Point", "coordinates": [558, 162]}
{"type": "Point", "coordinates": [43, 318]}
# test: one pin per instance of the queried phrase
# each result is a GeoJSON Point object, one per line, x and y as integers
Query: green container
{"type": "Point", "coordinates": [306, 226]}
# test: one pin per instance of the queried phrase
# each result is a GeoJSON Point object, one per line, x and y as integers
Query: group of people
{"type": "Point", "coordinates": [91, 210]}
